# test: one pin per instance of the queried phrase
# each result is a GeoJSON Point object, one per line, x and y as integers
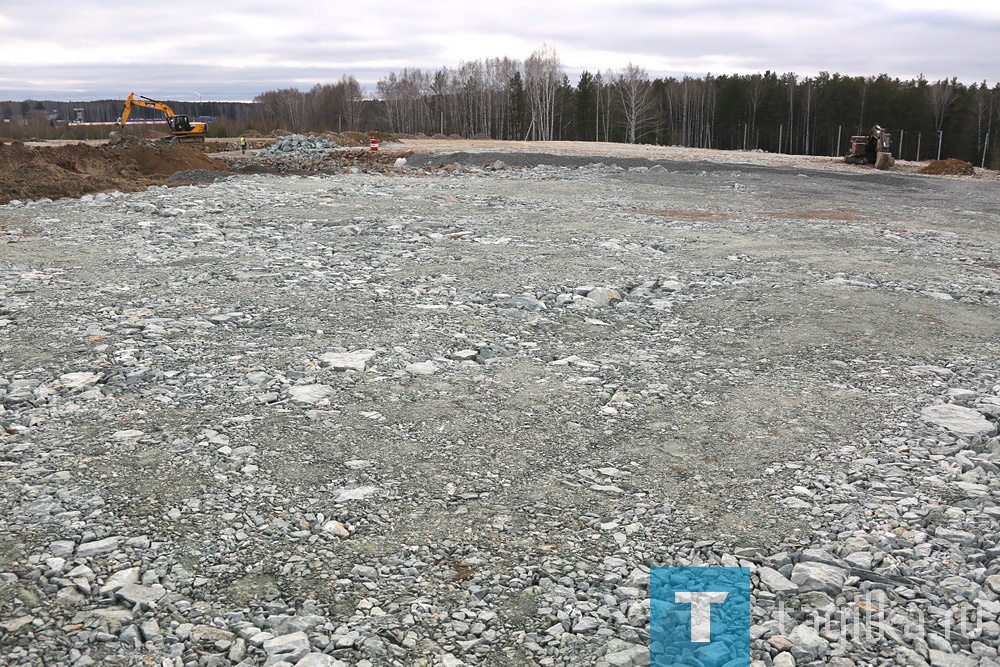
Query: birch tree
{"type": "Point", "coordinates": [542, 74]}
{"type": "Point", "coordinates": [636, 100]}
{"type": "Point", "coordinates": [755, 94]}
{"type": "Point", "coordinates": [941, 96]}
{"type": "Point", "coordinates": [351, 100]}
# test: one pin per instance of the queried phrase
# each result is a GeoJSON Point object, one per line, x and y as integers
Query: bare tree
{"type": "Point", "coordinates": [982, 106]}
{"type": "Point", "coordinates": [323, 102]}
{"type": "Point", "coordinates": [636, 99]}
{"type": "Point", "coordinates": [604, 93]}
{"type": "Point", "coordinates": [941, 96]}
{"type": "Point", "coordinates": [807, 111]}
{"type": "Point", "coordinates": [542, 74]}
{"type": "Point", "coordinates": [284, 108]}
{"type": "Point", "coordinates": [598, 86]}
{"type": "Point", "coordinates": [791, 80]}
{"type": "Point", "coordinates": [405, 96]}
{"type": "Point", "coordinates": [755, 95]}
{"type": "Point", "coordinates": [499, 73]}
{"type": "Point", "coordinates": [351, 100]}
{"type": "Point", "coordinates": [470, 87]}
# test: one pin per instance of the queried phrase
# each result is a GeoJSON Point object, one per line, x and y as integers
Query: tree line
{"type": "Point", "coordinates": [503, 98]}
{"type": "Point", "coordinates": [533, 99]}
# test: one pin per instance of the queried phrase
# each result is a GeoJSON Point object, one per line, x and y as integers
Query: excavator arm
{"type": "Point", "coordinates": [133, 101]}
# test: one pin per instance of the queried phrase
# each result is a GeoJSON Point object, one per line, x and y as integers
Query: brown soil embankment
{"type": "Point", "coordinates": [72, 170]}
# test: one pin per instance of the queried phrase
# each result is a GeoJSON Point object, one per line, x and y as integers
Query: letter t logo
{"type": "Point", "coordinates": [701, 612]}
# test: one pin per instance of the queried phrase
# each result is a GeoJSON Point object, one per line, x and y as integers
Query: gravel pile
{"type": "Point", "coordinates": [299, 146]}
{"type": "Point", "coordinates": [452, 417]}
{"type": "Point", "coordinates": [299, 154]}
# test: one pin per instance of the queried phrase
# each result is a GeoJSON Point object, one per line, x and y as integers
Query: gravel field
{"type": "Point", "coordinates": [452, 413]}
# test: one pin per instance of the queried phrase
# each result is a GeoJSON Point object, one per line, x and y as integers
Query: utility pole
{"type": "Point", "coordinates": [899, 151]}
{"type": "Point", "coordinates": [918, 145]}
{"type": "Point", "coordinates": [836, 151]}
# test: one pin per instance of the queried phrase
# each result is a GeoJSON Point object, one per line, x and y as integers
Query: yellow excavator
{"type": "Point", "coordinates": [182, 129]}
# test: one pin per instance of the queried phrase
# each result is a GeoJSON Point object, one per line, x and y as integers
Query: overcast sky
{"type": "Point", "coordinates": [218, 50]}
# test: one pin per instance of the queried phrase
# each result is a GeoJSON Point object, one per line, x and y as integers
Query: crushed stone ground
{"type": "Point", "coordinates": [452, 413]}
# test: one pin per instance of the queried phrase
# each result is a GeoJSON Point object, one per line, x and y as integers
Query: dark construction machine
{"type": "Point", "coordinates": [182, 129]}
{"type": "Point", "coordinates": [872, 149]}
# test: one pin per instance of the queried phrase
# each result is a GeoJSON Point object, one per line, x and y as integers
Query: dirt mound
{"type": "Point", "coordinates": [949, 167]}
{"type": "Point", "coordinates": [33, 172]}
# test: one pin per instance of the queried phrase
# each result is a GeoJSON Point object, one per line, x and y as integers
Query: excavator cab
{"type": "Point", "coordinates": [180, 123]}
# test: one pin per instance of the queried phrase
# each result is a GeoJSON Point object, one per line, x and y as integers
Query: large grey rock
{"type": "Point", "coordinates": [526, 302]}
{"type": "Point", "coordinates": [961, 537]}
{"type": "Point", "coordinates": [942, 659]}
{"type": "Point", "coordinates": [358, 360]}
{"type": "Point", "coordinates": [812, 576]}
{"type": "Point", "coordinates": [134, 594]}
{"type": "Point", "coordinates": [959, 420]}
{"type": "Point", "coordinates": [149, 629]}
{"type": "Point", "coordinates": [14, 625]}
{"type": "Point", "coordinates": [776, 582]}
{"type": "Point", "coordinates": [604, 296]}
{"type": "Point", "coordinates": [990, 405]}
{"type": "Point", "coordinates": [119, 579]}
{"type": "Point", "coordinates": [283, 624]}
{"type": "Point", "coordinates": [290, 648]}
{"type": "Point", "coordinates": [422, 368]}
{"type": "Point", "coordinates": [78, 380]}
{"type": "Point", "coordinates": [632, 656]}
{"type": "Point", "coordinates": [960, 587]}
{"type": "Point", "coordinates": [98, 547]}
{"type": "Point", "coordinates": [210, 633]}
{"type": "Point", "coordinates": [808, 645]}
{"type": "Point", "coordinates": [62, 548]}
{"type": "Point", "coordinates": [309, 393]}
{"type": "Point", "coordinates": [356, 493]}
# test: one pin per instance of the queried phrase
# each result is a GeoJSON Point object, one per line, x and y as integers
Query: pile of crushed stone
{"type": "Point", "coordinates": [299, 145]}
{"type": "Point", "coordinates": [949, 167]}
{"type": "Point", "coordinates": [36, 172]}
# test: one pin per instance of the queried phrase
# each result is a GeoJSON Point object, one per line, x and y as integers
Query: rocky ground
{"type": "Point", "coordinates": [451, 413]}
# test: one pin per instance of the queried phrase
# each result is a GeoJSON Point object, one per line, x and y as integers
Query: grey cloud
{"type": "Point", "coordinates": [229, 54]}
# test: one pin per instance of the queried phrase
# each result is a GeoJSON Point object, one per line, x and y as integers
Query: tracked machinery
{"type": "Point", "coordinates": [182, 129]}
{"type": "Point", "coordinates": [874, 149]}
